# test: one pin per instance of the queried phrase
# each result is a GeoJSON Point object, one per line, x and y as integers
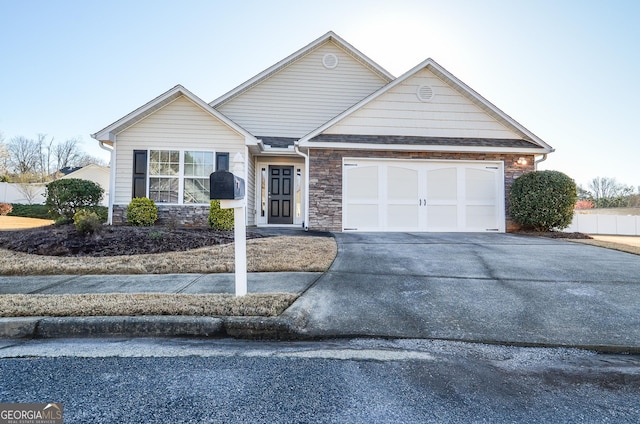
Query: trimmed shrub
{"type": "Point", "coordinates": [142, 212]}
{"type": "Point", "coordinates": [30, 211]}
{"type": "Point", "coordinates": [220, 219]}
{"type": "Point", "coordinates": [102, 212]}
{"type": "Point", "coordinates": [543, 200]}
{"type": "Point", "coordinates": [5, 208]}
{"type": "Point", "coordinates": [68, 196]}
{"type": "Point", "coordinates": [86, 222]}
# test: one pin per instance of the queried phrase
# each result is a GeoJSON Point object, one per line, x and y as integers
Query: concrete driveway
{"type": "Point", "coordinates": [495, 288]}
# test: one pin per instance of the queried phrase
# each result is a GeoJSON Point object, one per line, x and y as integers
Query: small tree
{"type": "Point", "coordinates": [543, 200]}
{"type": "Point", "coordinates": [67, 196]}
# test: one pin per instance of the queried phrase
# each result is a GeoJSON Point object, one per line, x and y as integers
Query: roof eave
{"type": "Point", "coordinates": [423, 148]}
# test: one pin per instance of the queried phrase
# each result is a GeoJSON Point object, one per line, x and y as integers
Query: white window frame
{"type": "Point", "coordinates": [180, 176]}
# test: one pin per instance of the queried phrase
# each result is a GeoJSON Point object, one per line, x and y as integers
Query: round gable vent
{"type": "Point", "coordinates": [425, 93]}
{"type": "Point", "coordinates": [330, 61]}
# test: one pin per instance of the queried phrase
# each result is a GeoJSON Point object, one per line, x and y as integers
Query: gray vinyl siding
{"type": "Point", "coordinates": [399, 112]}
{"type": "Point", "coordinates": [304, 95]}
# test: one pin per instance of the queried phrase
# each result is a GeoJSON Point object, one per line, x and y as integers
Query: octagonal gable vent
{"type": "Point", "coordinates": [330, 61]}
{"type": "Point", "coordinates": [425, 93]}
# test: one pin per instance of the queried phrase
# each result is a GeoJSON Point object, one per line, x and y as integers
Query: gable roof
{"type": "Point", "coordinates": [79, 171]}
{"type": "Point", "coordinates": [108, 133]}
{"type": "Point", "coordinates": [456, 84]}
{"type": "Point", "coordinates": [329, 36]}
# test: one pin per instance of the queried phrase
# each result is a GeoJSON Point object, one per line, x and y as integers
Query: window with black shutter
{"type": "Point", "coordinates": [222, 161]}
{"type": "Point", "coordinates": [139, 173]}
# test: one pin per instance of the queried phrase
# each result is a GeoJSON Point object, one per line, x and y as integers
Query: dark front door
{"type": "Point", "coordinates": [280, 194]}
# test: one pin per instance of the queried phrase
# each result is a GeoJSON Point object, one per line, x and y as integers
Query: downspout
{"type": "Point", "coordinates": [542, 159]}
{"type": "Point", "coordinates": [112, 174]}
{"type": "Point", "coordinates": [296, 148]}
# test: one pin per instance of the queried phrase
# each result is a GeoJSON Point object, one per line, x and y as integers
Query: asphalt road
{"type": "Point", "coordinates": [346, 381]}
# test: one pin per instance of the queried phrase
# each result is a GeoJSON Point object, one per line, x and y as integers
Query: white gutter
{"type": "Point", "coordinates": [306, 184]}
{"type": "Point", "coordinates": [542, 159]}
{"type": "Point", "coordinates": [112, 178]}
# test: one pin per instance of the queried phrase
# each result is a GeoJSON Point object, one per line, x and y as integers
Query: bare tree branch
{"type": "Point", "coordinates": [4, 157]}
{"type": "Point", "coordinates": [67, 153]}
{"type": "Point", "coordinates": [24, 155]}
{"type": "Point", "coordinates": [607, 192]}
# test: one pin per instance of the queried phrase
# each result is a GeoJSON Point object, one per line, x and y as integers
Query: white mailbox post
{"type": "Point", "coordinates": [240, 226]}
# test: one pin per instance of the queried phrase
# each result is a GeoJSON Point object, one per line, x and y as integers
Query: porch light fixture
{"type": "Point", "coordinates": [521, 161]}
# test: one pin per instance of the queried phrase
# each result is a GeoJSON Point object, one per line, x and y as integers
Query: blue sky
{"type": "Point", "coordinates": [567, 70]}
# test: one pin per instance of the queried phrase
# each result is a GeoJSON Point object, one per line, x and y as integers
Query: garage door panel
{"type": "Point", "coordinates": [481, 218]}
{"type": "Point", "coordinates": [442, 217]}
{"type": "Point", "coordinates": [362, 182]}
{"type": "Point", "coordinates": [480, 184]}
{"type": "Point", "coordinates": [442, 184]}
{"type": "Point", "coordinates": [402, 183]}
{"type": "Point", "coordinates": [402, 216]}
{"type": "Point", "coordinates": [402, 189]}
{"type": "Point", "coordinates": [423, 195]}
{"type": "Point", "coordinates": [362, 216]}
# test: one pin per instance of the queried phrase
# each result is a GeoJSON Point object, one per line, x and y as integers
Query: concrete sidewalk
{"type": "Point", "coordinates": [259, 282]}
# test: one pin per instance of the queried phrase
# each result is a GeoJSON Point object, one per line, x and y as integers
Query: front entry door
{"type": "Point", "coordinates": [280, 194]}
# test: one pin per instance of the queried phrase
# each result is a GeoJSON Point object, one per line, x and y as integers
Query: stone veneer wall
{"type": "Point", "coordinates": [325, 179]}
{"type": "Point", "coordinates": [171, 215]}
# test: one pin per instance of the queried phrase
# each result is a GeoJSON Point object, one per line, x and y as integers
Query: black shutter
{"type": "Point", "coordinates": [139, 173]}
{"type": "Point", "coordinates": [222, 161]}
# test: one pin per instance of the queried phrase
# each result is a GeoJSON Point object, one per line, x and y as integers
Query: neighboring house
{"type": "Point", "coordinates": [96, 173]}
{"type": "Point", "coordinates": [329, 141]}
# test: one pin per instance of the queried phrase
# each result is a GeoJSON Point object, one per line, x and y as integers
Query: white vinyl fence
{"type": "Point", "coordinates": [623, 225]}
{"type": "Point", "coordinates": [20, 193]}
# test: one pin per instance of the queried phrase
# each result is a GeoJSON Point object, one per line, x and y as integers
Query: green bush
{"type": "Point", "coordinates": [543, 200]}
{"type": "Point", "coordinates": [220, 219]}
{"type": "Point", "coordinates": [142, 212]}
{"type": "Point", "coordinates": [68, 196]}
{"type": "Point", "coordinates": [30, 211]}
{"type": "Point", "coordinates": [86, 222]}
{"type": "Point", "coordinates": [102, 212]}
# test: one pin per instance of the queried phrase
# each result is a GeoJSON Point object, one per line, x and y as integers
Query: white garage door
{"type": "Point", "coordinates": [400, 195]}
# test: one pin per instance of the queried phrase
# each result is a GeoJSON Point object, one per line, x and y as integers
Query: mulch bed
{"type": "Point", "coordinates": [555, 234]}
{"type": "Point", "coordinates": [64, 240]}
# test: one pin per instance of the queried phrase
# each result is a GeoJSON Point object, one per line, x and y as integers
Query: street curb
{"type": "Point", "coordinates": [18, 328]}
{"type": "Point", "coordinates": [271, 328]}
{"type": "Point", "coordinates": [252, 328]}
{"type": "Point", "coordinates": [133, 326]}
